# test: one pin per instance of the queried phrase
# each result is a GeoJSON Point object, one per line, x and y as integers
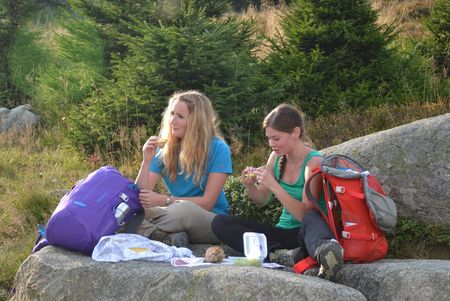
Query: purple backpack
{"type": "Point", "coordinates": [96, 206]}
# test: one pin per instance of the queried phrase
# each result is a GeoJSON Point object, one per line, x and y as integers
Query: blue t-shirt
{"type": "Point", "coordinates": [219, 160]}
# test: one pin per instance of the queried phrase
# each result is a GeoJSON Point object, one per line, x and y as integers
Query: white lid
{"type": "Point", "coordinates": [255, 245]}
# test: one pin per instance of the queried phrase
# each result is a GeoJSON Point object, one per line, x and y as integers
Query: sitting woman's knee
{"type": "Point", "coordinates": [184, 208]}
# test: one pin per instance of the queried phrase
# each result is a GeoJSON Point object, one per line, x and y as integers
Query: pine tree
{"type": "Point", "coordinates": [12, 12]}
{"type": "Point", "coordinates": [439, 42]}
{"type": "Point", "coordinates": [189, 51]}
{"type": "Point", "coordinates": [332, 55]}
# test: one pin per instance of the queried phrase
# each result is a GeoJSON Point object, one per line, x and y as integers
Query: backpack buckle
{"type": "Point", "coordinates": [124, 197]}
{"type": "Point", "coordinates": [340, 189]}
{"type": "Point", "coordinates": [346, 234]}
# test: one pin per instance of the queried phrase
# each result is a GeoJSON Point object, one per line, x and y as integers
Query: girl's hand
{"type": "Point", "coordinates": [249, 176]}
{"type": "Point", "coordinates": [149, 148]}
{"type": "Point", "coordinates": [149, 198]}
{"type": "Point", "coordinates": [264, 177]}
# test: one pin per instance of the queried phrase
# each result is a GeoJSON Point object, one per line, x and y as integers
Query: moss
{"type": "Point", "coordinates": [414, 239]}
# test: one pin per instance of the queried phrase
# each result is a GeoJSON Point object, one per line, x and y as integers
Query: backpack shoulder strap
{"type": "Point", "coordinates": [309, 195]}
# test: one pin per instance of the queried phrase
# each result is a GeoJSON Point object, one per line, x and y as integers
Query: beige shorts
{"type": "Point", "coordinates": [181, 216]}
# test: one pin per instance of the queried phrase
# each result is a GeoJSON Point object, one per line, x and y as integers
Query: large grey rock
{"type": "Point", "coordinates": [3, 113]}
{"type": "Point", "coordinates": [412, 162]}
{"type": "Point", "coordinates": [55, 274]}
{"type": "Point", "coordinates": [399, 279]}
{"type": "Point", "coordinates": [18, 118]}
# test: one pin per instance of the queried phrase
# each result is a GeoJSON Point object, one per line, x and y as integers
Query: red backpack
{"type": "Point", "coordinates": [358, 211]}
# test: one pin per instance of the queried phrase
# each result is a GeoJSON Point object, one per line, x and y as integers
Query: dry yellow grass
{"type": "Point", "coordinates": [267, 19]}
{"type": "Point", "coordinates": [405, 14]}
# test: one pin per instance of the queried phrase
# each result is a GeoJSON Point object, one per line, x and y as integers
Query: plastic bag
{"type": "Point", "coordinates": [124, 247]}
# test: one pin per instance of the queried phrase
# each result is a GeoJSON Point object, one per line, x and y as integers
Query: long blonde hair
{"type": "Point", "coordinates": [191, 152]}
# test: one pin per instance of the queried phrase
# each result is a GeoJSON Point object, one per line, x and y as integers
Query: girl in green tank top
{"type": "Point", "coordinates": [287, 221]}
{"type": "Point", "coordinates": [301, 231]}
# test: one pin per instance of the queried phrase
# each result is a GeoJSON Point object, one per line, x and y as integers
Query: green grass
{"type": "Point", "coordinates": [13, 254]}
{"type": "Point", "coordinates": [55, 58]}
{"type": "Point", "coordinates": [34, 173]}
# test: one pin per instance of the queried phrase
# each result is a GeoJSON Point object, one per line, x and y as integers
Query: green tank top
{"type": "Point", "coordinates": [287, 221]}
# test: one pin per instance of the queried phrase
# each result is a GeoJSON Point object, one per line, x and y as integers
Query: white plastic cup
{"type": "Point", "coordinates": [255, 245]}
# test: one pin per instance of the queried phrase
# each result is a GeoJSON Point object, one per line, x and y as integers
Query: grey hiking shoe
{"type": "Point", "coordinates": [177, 239]}
{"type": "Point", "coordinates": [330, 256]}
{"type": "Point", "coordinates": [287, 257]}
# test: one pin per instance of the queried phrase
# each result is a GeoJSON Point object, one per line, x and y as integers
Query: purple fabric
{"type": "Point", "coordinates": [86, 213]}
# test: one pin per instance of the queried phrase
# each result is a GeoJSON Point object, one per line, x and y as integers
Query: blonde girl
{"type": "Point", "coordinates": [194, 163]}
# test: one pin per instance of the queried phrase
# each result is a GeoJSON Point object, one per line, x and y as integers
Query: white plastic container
{"type": "Point", "coordinates": [255, 245]}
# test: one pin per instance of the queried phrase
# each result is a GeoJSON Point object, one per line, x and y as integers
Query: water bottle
{"type": "Point", "coordinates": [121, 211]}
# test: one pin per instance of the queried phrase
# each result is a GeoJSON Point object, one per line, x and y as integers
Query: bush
{"type": "Point", "coordinates": [333, 55]}
{"type": "Point", "coordinates": [189, 52]}
{"type": "Point", "coordinates": [213, 8]}
{"type": "Point", "coordinates": [242, 205]}
{"type": "Point", "coordinates": [414, 239]}
{"type": "Point", "coordinates": [112, 17]}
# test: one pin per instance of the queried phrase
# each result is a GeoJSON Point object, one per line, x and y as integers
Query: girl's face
{"type": "Point", "coordinates": [179, 119]}
{"type": "Point", "coordinates": [280, 142]}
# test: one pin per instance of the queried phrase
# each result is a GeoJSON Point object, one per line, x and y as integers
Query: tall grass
{"type": "Point", "coordinates": [334, 129]}
{"type": "Point", "coordinates": [35, 170]}
{"type": "Point", "coordinates": [337, 128]}
{"type": "Point", "coordinates": [405, 13]}
{"type": "Point", "coordinates": [266, 18]}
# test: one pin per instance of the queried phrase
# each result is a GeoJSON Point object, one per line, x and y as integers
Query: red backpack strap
{"type": "Point", "coordinates": [304, 264]}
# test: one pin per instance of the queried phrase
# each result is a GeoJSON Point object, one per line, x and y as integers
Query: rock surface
{"type": "Point", "coordinates": [412, 162]}
{"type": "Point", "coordinates": [399, 279]}
{"type": "Point", "coordinates": [56, 274]}
{"type": "Point", "coordinates": [18, 118]}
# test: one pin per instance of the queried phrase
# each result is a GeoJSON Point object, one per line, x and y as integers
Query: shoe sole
{"type": "Point", "coordinates": [330, 263]}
